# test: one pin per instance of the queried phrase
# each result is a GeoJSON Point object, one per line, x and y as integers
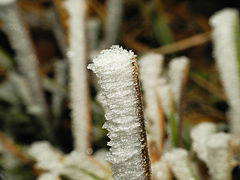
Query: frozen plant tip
{"type": "Point", "coordinates": [219, 156]}
{"type": "Point", "coordinates": [200, 135]}
{"type": "Point", "coordinates": [117, 70]}
{"type": "Point", "coordinates": [180, 164]}
{"type": "Point", "coordinates": [224, 27]}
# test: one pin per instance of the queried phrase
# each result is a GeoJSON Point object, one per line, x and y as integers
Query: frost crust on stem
{"type": "Point", "coordinates": [120, 96]}
{"type": "Point", "coordinates": [78, 75]}
{"type": "Point", "coordinates": [224, 27]}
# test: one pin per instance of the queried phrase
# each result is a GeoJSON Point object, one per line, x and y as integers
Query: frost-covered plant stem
{"type": "Point", "coordinates": [118, 73]}
{"type": "Point", "coordinates": [78, 75]}
{"type": "Point", "coordinates": [178, 71]}
{"type": "Point", "coordinates": [26, 58]}
{"type": "Point", "coordinates": [224, 24]}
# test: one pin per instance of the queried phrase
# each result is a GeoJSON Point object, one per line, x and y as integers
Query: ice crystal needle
{"type": "Point", "coordinates": [117, 70]}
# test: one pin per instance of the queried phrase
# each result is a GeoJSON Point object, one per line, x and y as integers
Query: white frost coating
{"type": "Point", "coordinates": [78, 74]}
{"type": "Point", "coordinates": [113, 21]}
{"type": "Point", "coordinates": [115, 70]}
{"type": "Point", "coordinates": [200, 135]}
{"type": "Point", "coordinates": [161, 171]}
{"type": "Point", "coordinates": [46, 156]}
{"type": "Point", "coordinates": [178, 69]}
{"type": "Point", "coordinates": [219, 156]}
{"type": "Point", "coordinates": [224, 24]}
{"type": "Point", "coordinates": [150, 67]}
{"type": "Point", "coordinates": [179, 163]}
{"type": "Point", "coordinates": [25, 56]}
{"type": "Point", "coordinates": [165, 95]}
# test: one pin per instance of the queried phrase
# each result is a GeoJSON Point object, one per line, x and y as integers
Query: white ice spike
{"type": "Point", "coordinates": [117, 72]}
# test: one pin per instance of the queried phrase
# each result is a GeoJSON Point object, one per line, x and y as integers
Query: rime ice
{"type": "Point", "coordinates": [224, 25]}
{"type": "Point", "coordinates": [114, 69]}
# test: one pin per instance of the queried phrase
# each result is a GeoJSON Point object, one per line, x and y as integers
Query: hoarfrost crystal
{"type": "Point", "coordinates": [224, 24]}
{"type": "Point", "coordinates": [124, 120]}
{"type": "Point", "coordinates": [179, 163]}
{"type": "Point", "coordinates": [219, 156]}
{"type": "Point", "coordinates": [200, 135]}
{"type": "Point", "coordinates": [178, 69]}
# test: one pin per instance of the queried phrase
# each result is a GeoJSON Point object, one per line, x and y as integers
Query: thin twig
{"type": "Point", "coordinates": [195, 40]}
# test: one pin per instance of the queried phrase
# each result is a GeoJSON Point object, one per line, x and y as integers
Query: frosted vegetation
{"type": "Point", "coordinates": [155, 145]}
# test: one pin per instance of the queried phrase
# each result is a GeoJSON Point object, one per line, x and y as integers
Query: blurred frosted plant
{"type": "Point", "coordinates": [78, 75]}
{"type": "Point", "coordinates": [26, 58]}
{"type": "Point", "coordinates": [117, 70]}
{"type": "Point", "coordinates": [178, 71]}
{"type": "Point", "coordinates": [200, 135]}
{"type": "Point", "coordinates": [150, 71]}
{"type": "Point", "coordinates": [165, 95]}
{"type": "Point", "coordinates": [47, 157]}
{"type": "Point", "coordinates": [161, 171]}
{"type": "Point", "coordinates": [180, 164]}
{"type": "Point", "coordinates": [224, 26]}
{"type": "Point", "coordinates": [113, 21]}
{"type": "Point", "coordinates": [219, 156]}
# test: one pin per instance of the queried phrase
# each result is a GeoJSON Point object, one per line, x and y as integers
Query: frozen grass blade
{"type": "Point", "coordinates": [224, 23]}
{"type": "Point", "coordinates": [117, 70]}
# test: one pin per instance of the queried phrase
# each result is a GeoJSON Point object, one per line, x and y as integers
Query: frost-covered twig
{"type": "Point", "coordinates": [113, 21]}
{"type": "Point", "coordinates": [180, 164]}
{"type": "Point", "coordinates": [225, 24]}
{"type": "Point", "coordinates": [78, 75]}
{"type": "Point", "coordinates": [150, 71]}
{"type": "Point", "coordinates": [219, 156]}
{"type": "Point", "coordinates": [200, 135]}
{"type": "Point", "coordinates": [26, 58]}
{"type": "Point", "coordinates": [161, 171]}
{"type": "Point", "coordinates": [178, 71]}
{"type": "Point", "coordinates": [117, 70]}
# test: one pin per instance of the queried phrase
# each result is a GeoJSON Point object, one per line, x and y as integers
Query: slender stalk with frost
{"type": "Point", "coordinates": [180, 164]}
{"type": "Point", "coordinates": [113, 21]}
{"type": "Point", "coordinates": [150, 71]}
{"type": "Point", "coordinates": [224, 26]}
{"type": "Point", "coordinates": [219, 156]}
{"type": "Point", "coordinates": [78, 75]}
{"type": "Point", "coordinates": [26, 58]}
{"type": "Point", "coordinates": [178, 71]}
{"type": "Point", "coordinates": [200, 135]}
{"type": "Point", "coordinates": [117, 70]}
